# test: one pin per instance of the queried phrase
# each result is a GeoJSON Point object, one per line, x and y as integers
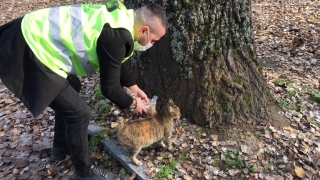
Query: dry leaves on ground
{"type": "Point", "coordinates": [287, 42]}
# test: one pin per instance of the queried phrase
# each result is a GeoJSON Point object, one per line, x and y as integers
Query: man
{"type": "Point", "coordinates": [42, 54]}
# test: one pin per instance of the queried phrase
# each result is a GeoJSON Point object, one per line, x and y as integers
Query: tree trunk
{"type": "Point", "coordinates": [206, 62]}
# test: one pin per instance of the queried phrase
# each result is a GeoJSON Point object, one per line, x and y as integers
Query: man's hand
{"type": "Point", "coordinates": [140, 107]}
{"type": "Point", "coordinates": [139, 93]}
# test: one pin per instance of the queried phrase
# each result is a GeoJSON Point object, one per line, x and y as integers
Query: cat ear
{"type": "Point", "coordinates": [170, 109]}
{"type": "Point", "coordinates": [170, 101]}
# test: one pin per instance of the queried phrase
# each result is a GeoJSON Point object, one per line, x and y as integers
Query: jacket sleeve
{"type": "Point", "coordinates": [126, 79]}
{"type": "Point", "coordinates": [113, 46]}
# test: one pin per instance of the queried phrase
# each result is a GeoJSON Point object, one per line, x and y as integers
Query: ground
{"type": "Point", "coordinates": [287, 43]}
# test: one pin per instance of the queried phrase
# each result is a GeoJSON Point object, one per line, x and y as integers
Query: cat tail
{"type": "Point", "coordinates": [121, 121]}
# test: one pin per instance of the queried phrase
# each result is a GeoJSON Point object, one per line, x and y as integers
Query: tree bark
{"type": "Point", "coordinates": [206, 62]}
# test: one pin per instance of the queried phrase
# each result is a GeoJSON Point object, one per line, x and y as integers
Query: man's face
{"type": "Point", "coordinates": [153, 37]}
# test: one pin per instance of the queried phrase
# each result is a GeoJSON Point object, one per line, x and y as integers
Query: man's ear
{"type": "Point", "coordinates": [143, 29]}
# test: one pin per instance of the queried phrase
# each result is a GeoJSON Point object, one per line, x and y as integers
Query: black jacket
{"type": "Point", "coordinates": [36, 85]}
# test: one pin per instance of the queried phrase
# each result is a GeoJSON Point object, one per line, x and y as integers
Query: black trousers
{"type": "Point", "coordinates": [37, 86]}
{"type": "Point", "coordinates": [72, 116]}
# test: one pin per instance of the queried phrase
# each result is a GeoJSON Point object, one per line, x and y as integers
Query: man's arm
{"type": "Point", "coordinates": [125, 78]}
{"type": "Point", "coordinates": [112, 47]}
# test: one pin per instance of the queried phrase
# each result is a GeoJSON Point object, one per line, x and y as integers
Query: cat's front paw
{"type": "Point", "coordinates": [138, 163]}
{"type": "Point", "coordinates": [170, 148]}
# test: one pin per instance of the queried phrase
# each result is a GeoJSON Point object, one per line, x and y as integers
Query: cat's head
{"type": "Point", "coordinates": [171, 110]}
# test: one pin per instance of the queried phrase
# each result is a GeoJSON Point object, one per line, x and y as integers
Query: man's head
{"type": "Point", "coordinates": [150, 24]}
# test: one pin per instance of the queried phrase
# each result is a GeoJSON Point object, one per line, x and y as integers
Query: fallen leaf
{"type": "Point", "coordinates": [114, 125]}
{"type": "Point", "coordinates": [25, 175]}
{"type": "Point", "coordinates": [245, 149]}
{"type": "Point", "coordinates": [152, 170]}
{"type": "Point", "coordinates": [187, 166]}
{"type": "Point", "coordinates": [21, 163]}
{"type": "Point", "coordinates": [184, 145]}
{"type": "Point", "coordinates": [193, 150]}
{"type": "Point", "coordinates": [215, 143]}
{"type": "Point", "coordinates": [42, 173]}
{"type": "Point", "coordinates": [253, 177]}
{"type": "Point", "coordinates": [276, 135]}
{"type": "Point", "coordinates": [159, 158]}
{"type": "Point", "coordinates": [15, 171]}
{"type": "Point", "coordinates": [9, 101]}
{"type": "Point", "coordinates": [98, 156]}
{"type": "Point", "coordinates": [214, 137]}
{"type": "Point", "coordinates": [310, 169]}
{"type": "Point", "coordinates": [267, 136]}
{"type": "Point", "coordinates": [317, 134]}
{"type": "Point", "coordinates": [180, 132]}
{"type": "Point", "coordinates": [132, 177]}
{"type": "Point", "coordinates": [187, 177]}
{"type": "Point", "coordinates": [206, 146]}
{"type": "Point", "coordinates": [290, 154]}
{"type": "Point", "coordinates": [299, 172]}
{"type": "Point", "coordinates": [309, 119]}
{"type": "Point", "coordinates": [149, 164]}
{"type": "Point", "coordinates": [49, 172]}
{"type": "Point", "coordinates": [261, 157]}
{"type": "Point", "coordinates": [288, 128]}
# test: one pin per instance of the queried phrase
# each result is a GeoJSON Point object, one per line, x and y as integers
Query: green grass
{"type": "Point", "coordinates": [314, 123]}
{"type": "Point", "coordinates": [101, 122]}
{"type": "Point", "coordinates": [164, 172]}
{"type": "Point", "coordinates": [199, 135]}
{"type": "Point", "coordinates": [95, 140]}
{"type": "Point", "coordinates": [182, 156]}
{"type": "Point", "coordinates": [215, 161]}
{"type": "Point", "coordinates": [233, 159]}
{"type": "Point", "coordinates": [82, 91]}
{"type": "Point", "coordinates": [316, 98]}
{"type": "Point", "coordinates": [293, 92]}
{"type": "Point", "coordinates": [105, 160]}
{"type": "Point", "coordinates": [270, 162]}
{"type": "Point", "coordinates": [283, 170]}
{"type": "Point", "coordinates": [303, 107]}
{"type": "Point", "coordinates": [287, 105]}
{"type": "Point", "coordinates": [173, 165]}
{"type": "Point", "coordinates": [98, 94]}
{"type": "Point", "coordinates": [105, 107]}
{"type": "Point", "coordinates": [251, 168]}
{"type": "Point", "coordinates": [281, 82]}
{"type": "Point", "coordinates": [167, 169]}
{"type": "Point", "coordinates": [93, 112]}
{"type": "Point", "coordinates": [183, 124]}
{"type": "Point", "coordinates": [122, 172]}
{"type": "Point", "coordinates": [268, 151]}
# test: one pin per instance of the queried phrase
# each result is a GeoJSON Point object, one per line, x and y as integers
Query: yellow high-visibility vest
{"type": "Point", "coordinates": [65, 38]}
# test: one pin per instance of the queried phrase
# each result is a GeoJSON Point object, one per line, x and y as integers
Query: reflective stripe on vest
{"type": "Point", "coordinates": [54, 16]}
{"type": "Point", "coordinates": [77, 37]}
{"type": "Point", "coordinates": [64, 38]}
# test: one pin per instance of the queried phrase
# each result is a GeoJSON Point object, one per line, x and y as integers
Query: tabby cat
{"type": "Point", "coordinates": [137, 134]}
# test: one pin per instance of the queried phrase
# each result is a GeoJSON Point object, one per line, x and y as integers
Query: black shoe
{"type": "Point", "coordinates": [60, 152]}
{"type": "Point", "coordinates": [95, 173]}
